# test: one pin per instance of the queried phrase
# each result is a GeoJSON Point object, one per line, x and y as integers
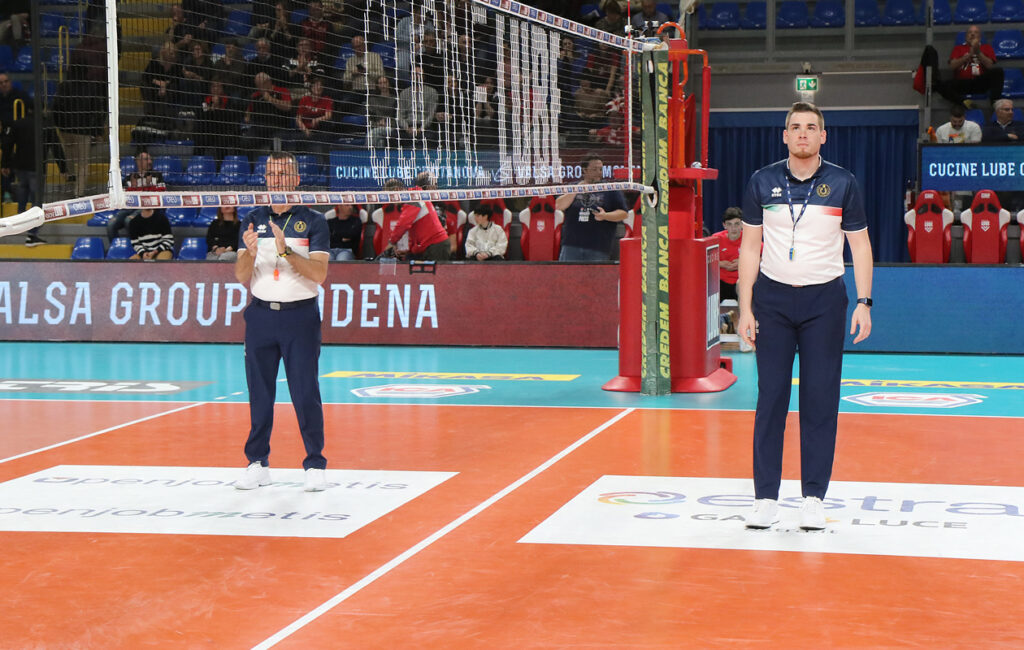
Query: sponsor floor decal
{"type": "Point", "coordinates": [905, 519]}
{"type": "Point", "coordinates": [203, 501]}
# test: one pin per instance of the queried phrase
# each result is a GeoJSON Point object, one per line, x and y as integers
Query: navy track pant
{"type": "Point", "coordinates": [812, 319]}
{"type": "Point", "coordinates": [292, 335]}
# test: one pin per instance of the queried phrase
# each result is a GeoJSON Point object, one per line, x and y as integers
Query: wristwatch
{"type": "Point", "coordinates": [865, 301]}
{"type": "Point", "coordinates": [288, 251]}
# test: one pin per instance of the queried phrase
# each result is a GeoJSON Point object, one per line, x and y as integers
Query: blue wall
{"type": "Point", "coordinates": [878, 146]}
{"type": "Point", "coordinates": [944, 308]}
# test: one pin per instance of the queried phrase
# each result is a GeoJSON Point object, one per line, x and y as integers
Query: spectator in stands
{"type": "Point", "coordinates": [222, 235]}
{"type": "Point", "coordinates": [197, 71]}
{"type": "Point", "coordinates": [648, 14]}
{"type": "Point", "coordinates": [589, 227]}
{"type": "Point", "coordinates": [591, 104]}
{"type": "Point", "coordinates": [362, 69]}
{"type": "Point", "coordinates": [315, 28]}
{"type": "Point", "coordinates": [313, 118]}
{"type": "Point", "coordinates": [15, 20]}
{"type": "Point", "coordinates": [334, 14]}
{"type": "Point", "coordinates": [231, 70]}
{"type": "Point", "coordinates": [428, 239]}
{"type": "Point", "coordinates": [428, 57]}
{"type": "Point", "coordinates": [268, 114]}
{"type": "Point", "coordinates": [417, 107]}
{"type": "Point", "coordinates": [143, 179]}
{"type": "Point", "coordinates": [346, 232]}
{"type": "Point", "coordinates": [729, 252]}
{"type": "Point", "coordinates": [410, 29]}
{"type": "Point", "coordinates": [604, 64]}
{"type": "Point", "coordinates": [17, 142]}
{"type": "Point", "coordinates": [279, 33]}
{"type": "Point", "coordinates": [486, 105]}
{"type": "Point", "coordinates": [613, 22]}
{"type": "Point", "coordinates": [9, 95]}
{"type": "Point", "coordinates": [304, 66]}
{"type": "Point", "coordinates": [217, 127]}
{"type": "Point", "coordinates": [80, 113]}
{"type": "Point", "coordinates": [160, 82]}
{"type": "Point", "coordinates": [974, 69]}
{"type": "Point", "coordinates": [183, 34]}
{"type": "Point", "coordinates": [485, 241]}
{"type": "Point", "coordinates": [151, 236]}
{"type": "Point", "coordinates": [958, 130]}
{"type": "Point", "coordinates": [1004, 129]}
{"type": "Point", "coordinates": [266, 62]}
{"type": "Point", "coordinates": [207, 15]}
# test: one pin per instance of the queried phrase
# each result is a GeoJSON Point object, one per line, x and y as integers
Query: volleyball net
{"type": "Point", "coordinates": [496, 99]}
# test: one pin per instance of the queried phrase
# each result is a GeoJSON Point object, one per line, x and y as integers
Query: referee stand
{"type": "Point", "coordinates": [669, 276]}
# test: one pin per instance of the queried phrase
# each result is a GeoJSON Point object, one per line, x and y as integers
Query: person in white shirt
{"type": "Point", "coordinates": [485, 241]}
{"type": "Point", "coordinates": [958, 130]}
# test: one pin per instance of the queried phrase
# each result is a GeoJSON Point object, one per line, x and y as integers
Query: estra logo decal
{"type": "Point", "coordinates": [916, 400]}
{"type": "Point", "coordinates": [418, 391]}
{"type": "Point", "coordinates": [981, 522]}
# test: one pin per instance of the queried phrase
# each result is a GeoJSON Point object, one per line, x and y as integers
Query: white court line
{"type": "Point", "coordinates": [107, 430]}
{"type": "Point", "coordinates": [399, 559]}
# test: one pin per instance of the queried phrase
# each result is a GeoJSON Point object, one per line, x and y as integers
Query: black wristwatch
{"type": "Point", "coordinates": [865, 301]}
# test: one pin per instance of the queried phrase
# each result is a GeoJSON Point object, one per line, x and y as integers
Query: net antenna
{"type": "Point", "coordinates": [496, 98]}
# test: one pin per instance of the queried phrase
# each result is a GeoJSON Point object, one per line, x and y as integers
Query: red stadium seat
{"type": "Point", "coordinates": [500, 214]}
{"type": "Point", "coordinates": [385, 218]}
{"type": "Point", "coordinates": [928, 227]}
{"type": "Point", "coordinates": [541, 222]}
{"type": "Point", "coordinates": [985, 221]}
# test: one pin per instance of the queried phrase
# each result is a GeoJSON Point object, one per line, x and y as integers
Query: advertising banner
{"type": "Point", "coordinates": [972, 167]}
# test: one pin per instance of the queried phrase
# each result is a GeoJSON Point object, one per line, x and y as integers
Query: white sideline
{"type": "Point", "coordinates": [301, 622]}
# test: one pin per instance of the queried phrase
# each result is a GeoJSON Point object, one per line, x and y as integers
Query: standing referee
{"type": "Point", "coordinates": [283, 256]}
{"type": "Point", "coordinates": [793, 296]}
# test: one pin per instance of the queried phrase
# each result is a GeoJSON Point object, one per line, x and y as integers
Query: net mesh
{"type": "Point", "coordinates": [494, 98]}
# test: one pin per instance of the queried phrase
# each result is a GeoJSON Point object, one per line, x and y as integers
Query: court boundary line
{"type": "Point", "coordinates": [399, 559]}
{"type": "Point", "coordinates": [100, 432]}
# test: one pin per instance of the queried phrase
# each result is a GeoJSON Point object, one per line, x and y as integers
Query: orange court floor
{"type": "Point", "coordinates": [482, 510]}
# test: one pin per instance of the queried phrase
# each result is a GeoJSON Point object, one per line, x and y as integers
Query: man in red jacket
{"type": "Point", "coordinates": [428, 240]}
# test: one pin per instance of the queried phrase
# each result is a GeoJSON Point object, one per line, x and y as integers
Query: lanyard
{"type": "Point", "coordinates": [793, 215]}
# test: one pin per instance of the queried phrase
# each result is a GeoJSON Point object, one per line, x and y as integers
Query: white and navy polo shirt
{"type": "Point", "coordinates": [834, 206]}
{"type": "Point", "coordinates": [305, 231]}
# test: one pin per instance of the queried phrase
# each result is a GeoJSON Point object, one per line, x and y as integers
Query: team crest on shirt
{"type": "Point", "coordinates": [776, 192]}
{"type": "Point", "coordinates": [300, 226]}
{"type": "Point", "coordinates": [824, 190]}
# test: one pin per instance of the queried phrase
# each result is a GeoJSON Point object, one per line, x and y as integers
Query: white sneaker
{"type": "Point", "coordinates": [255, 475]}
{"type": "Point", "coordinates": [316, 481]}
{"type": "Point", "coordinates": [812, 514]}
{"type": "Point", "coordinates": [764, 514]}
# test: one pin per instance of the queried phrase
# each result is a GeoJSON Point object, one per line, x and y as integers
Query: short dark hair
{"type": "Point", "coordinates": [957, 110]}
{"type": "Point", "coordinates": [732, 213]}
{"type": "Point", "coordinates": [806, 107]}
{"type": "Point", "coordinates": [589, 158]}
{"type": "Point", "coordinates": [393, 185]}
{"type": "Point", "coordinates": [483, 210]}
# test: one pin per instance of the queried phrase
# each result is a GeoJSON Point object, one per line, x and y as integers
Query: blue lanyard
{"type": "Point", "coordinates": [793, 215]}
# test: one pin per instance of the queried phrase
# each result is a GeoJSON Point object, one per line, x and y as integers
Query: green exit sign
{"type": "Point", "coordinates": [806, 84]}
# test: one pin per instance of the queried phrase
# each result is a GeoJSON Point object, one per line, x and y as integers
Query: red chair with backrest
{"type": "Point", "coordinates": [928, 225]}
{"type": "Point", "coordinates": [385, 218]}
{"type": "Point", "coordinates": [985, 221]}
{"type": "Point", "coordinates": [540, 221]}
{"type": "Point", "coordinates": [500, 214]}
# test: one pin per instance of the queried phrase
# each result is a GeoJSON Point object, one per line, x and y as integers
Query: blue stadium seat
{"type": "Point", "coordinates": [217, 51]}
{"type": "Point", "coordinates": [23, 61]}
{"type": "Point", "coordinates": [128, 165]}
{"type": "Point", "coordinates": [249, 51]}
{"type": "Point", "coordinates": [310, 172]}
{"type": "Point", "coordinates": [170, 167]}
{"type": "Point", "coordinates": [238, 23]}
{"type": "Point", "coordinates": [1013, 82]}
{"type": "Point", "coordinates": [192, 248]}
{"type": "Point", "coordinates": [587, 9]}
{"type": "Point", "coordinates": [297, 16]}
{"type": "Point", "coordinates": [259, 170]}
{"type": "Point", "coordinates": [244, 212]}
{"type": "Point", "coordinates": [50, 24]}
{"type": "Point", "coordinates": [669, 9]}
{"type": "Point", "coordinates": [829, 13]}
{"type": "Point", "coordinates": [201, 170]}
{"type": "Point", "coordinates": [120, 249]}
{"type": "Point", "coordinates": [344, 52]}
{"type": "Point", "coordinates": [1007, 11]}
{"type": "Point", "coordinates": [756, 15]}
{"type": "Point", "coordinates": [234, 170]}
{"type": "Point", "coordinates": [1008, 44]}
{"type": "Point", "coordinates": [942, 13]}
{"type": "Point", "coordinates": [204, 217]}
{"type": "Point", "coordinates": [961, 38]}
{"type": "Point", "coordinates": [969, 12]}
{"type": "Point", "coordinates": [722, 15]}
{"type": "Point", "coordinates": [87, 248]}
{"type": "Point", "coordinates": [6, 58]}
{"type": "Point", "coordinates": [865, 13]}
{"type": "Point", "coordinates": [975, 115]}
{"type": "Point", "coordinates": [100, 218]}
{"type": "Point", "coordinates": [181, 217]}
{"type": "Point", "coordinates": [899, 12]}
{"type": "Point", "coordinates": [386, 52]}
{"type": "Point", "coordinates": [792, 14]}
{"type": "Point", "coordinates": [1018, 116]}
